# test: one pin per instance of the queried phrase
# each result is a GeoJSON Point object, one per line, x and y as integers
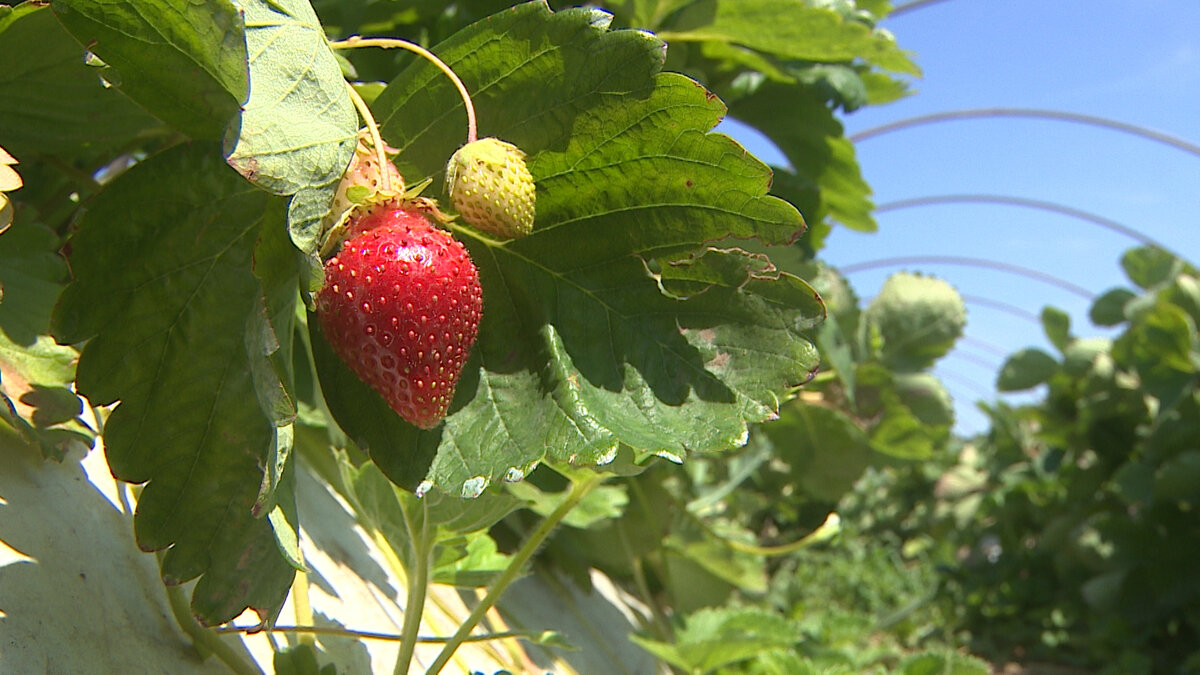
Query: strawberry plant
{"type": "Point", "coordinates": [1099, 481]}
{"type": "Point", "coordinates": [1065, 533]}
{"type": "Point", "coordinates": [263, 263]}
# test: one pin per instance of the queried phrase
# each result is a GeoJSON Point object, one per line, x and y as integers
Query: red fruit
{"type": "Point", "coordinates": [401, 306]}
{"type": "Point", "coordinates": [389, 213]}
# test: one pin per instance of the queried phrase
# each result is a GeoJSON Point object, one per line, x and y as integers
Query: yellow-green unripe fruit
{"type": "Point", "coordinates": [491, 188]}
{"type": "Point", "coordinates": [913, 321]}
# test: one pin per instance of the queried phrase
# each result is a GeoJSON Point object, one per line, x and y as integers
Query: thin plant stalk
{"type": "Point", "coordinates": [302, 608]}
{"type": "Point", "coordinates": [206, 641]}
{"type": "Point", "coordinates": [337, 631]}
{"type": "Point", "coordinates": [355, 41]}
{"type": "Point", "coordinates": [372, 128]}
{"type": "Point", "coordinates": [579, 490]}
{"type": "Point", "coordinates": [418, 586]}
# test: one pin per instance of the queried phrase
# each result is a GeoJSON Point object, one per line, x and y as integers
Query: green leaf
{"type": "Point", "coordinates": [183, 60]}
{"type": "Point", "coordinates": [1163, 346]}
{"type": "Point", "coordinates": [31, 275]}
{"type": "Point", "coordinates": [1179, 477]}
{"type": "Point", "coordinates": [1026, 369]}
{"type": "Point", "coordinates": [784, 662]}
{"type": "Point", "coordinates": [711, 638]}
{"type": "Point", "coordinates": [35, 373]}
{"type": "Point", "coordinates": [896, 430]}
{"type": "Point", "coordinates": [841, 85]}
{"type": "Point", "coordinates": [1147, 266]}
{"type": "Point", "coordinates": [164, 289]}
{"type": "Point", "coordinates": [50, 100]}
{"type": "Point", "coordinates": [732, 58]}
{"type": "Point", "coordinates": [602, 504]}
{"type": "Point", "coordinates": [1109, 308]}
{"type": "Point", "coordinates": [461, 551]}
{"type": "Point", "coordinates": [300, 659]}
{"type": "Point", "coordinates": [837, 352]}
{"type": "Point", "coordinates": [901, 434]}
{"type": "Point", "coordinates": [942, 663]}
{"type": "Point", "coordinates": [648, 14]}
{"type": "Point", "coordinates": [1057, 325]}
{"type": "Point", "coordinates": [1134, 482]}
{"type": "Point", "coordinates": [471, 561]}
{"type": "Point", "coordinates": [926, 396]}
{"type": "Point", "coordinates": [823, 449]}
{"type": "Point", "coordinates": [821, 157]}
{"type": "Point", "coordinates": [1184, 292]}
{"type": "Point", "coordinates": [702, 569]}
{"type": "Point", "coordinates": [380, 503]}
{"type": "Point", "coordinates": [296, 133]}
{"type": "Point", "coordinates": [882, 88]}
{"type": "Point", "coordinates": [614, 322]}
{"type": "Point", "coordinates": [1081, 354]}
{"type": "Point", "coordinates": [787, 29]}
{"type": "Point", "coordinates": [269, 337]}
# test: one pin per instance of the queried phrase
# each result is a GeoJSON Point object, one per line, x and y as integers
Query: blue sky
{"type": "Point", "coordinates": [1133, 61]}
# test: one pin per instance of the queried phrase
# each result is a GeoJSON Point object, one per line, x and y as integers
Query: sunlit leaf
{"type": "Point", "coordinates": [788, 29]}
{"type": "Point", "coordinates": [35, 373]}
{"type": "Point", "coordinates": [1148, 266]}
{"type": "Point", "coordinates": [821, 158]}
{"type": "Point", "coordinates": [296, 132]}
{"type": "Point", "coordinates": [1164, 347]}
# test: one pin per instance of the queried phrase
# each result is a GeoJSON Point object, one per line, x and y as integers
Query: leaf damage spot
{"type": "Point", "coordinates": [719, 361]}
{"type": "Point", "coordinates": [247, 166]}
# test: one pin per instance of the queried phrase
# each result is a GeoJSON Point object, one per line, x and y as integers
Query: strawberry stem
{"type": "Point", "coordinates": [579, 489]}
{"type": "Point", "coordinates": [419, 564]}
{"type": "Point", "coordinates": [205, 641]}
{"type": "Point", "coordinates": [388, 43]}
{"type": "Point", "coordinates": [302, 606]}
{"type": "Point", "coordinates": [385, 178]}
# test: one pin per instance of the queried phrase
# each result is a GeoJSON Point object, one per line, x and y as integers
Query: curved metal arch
{"type": "Point", "coordinates": [1028, 113]}
{"type": "Point", "coordinates": [1037, 204]}
{"type": "Point", "coordinates": [986, 263]}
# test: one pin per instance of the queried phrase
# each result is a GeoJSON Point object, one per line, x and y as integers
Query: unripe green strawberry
{"type": "Point", "coordinates": [401, 306]}
{"type": "Point", "coordinates": [491, 187]}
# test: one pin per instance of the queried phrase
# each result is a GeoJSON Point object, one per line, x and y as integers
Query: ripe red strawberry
{"type": "Point", "coordinates": [401, 306]}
